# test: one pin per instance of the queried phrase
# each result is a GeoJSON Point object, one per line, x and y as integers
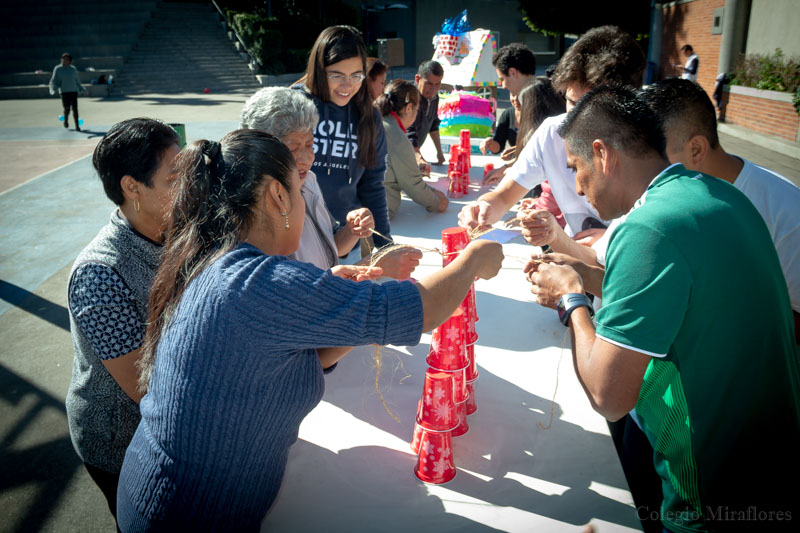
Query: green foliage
{"type": "Point", "coordinates": [578, 16]}
{"type": "Point", "coordinates": [772, 72]}
{"type": "Point", "coordinates": [281, 42]}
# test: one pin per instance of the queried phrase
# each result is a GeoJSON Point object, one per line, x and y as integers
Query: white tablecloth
{"type": "Point", "coordinates": [351, 469]}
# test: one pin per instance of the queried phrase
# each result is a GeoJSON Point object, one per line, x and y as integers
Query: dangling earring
{"type": "Point", "coordinates": [286, 216]}
{"type": "Point", "coordinates": [136, 204]}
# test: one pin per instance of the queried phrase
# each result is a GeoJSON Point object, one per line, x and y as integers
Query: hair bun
{"type": "Point", "coordinates": [211, 149]}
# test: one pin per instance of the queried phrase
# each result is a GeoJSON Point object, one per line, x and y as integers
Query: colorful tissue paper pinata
{"type": "Point", "coordinates": [465, 110]}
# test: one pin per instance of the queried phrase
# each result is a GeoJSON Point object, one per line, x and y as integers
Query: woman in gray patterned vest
{"type": "Point", "coordinates": [108, 295]}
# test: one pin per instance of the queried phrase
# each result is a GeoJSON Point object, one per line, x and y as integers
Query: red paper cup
{"type": "Point", "coordinates": [471, 373]}
{"type": "Point", "coordinates": [467, 306]}
{"type": "Point", "coordinates": [435, 459]}
{"type": "Point", "coordinates": [438, 407]}
{"type": "Point", "coordinates": [460, 385]}
{"type": "Point", "coordinates": [488, 167]}
{"type": "Point", "coordinates": [463, 426]}
{"type": "Point", "coordinates": [465, 183]}
{"type": "Point", "coordinates": [453, 241]}
{"type": "Point", "coordinates": [472, 405]}
{"type": "Point", "coordinates": [448, 351]}
{"type": "Point", "coordinates": [416, 439]}
{"type": "Point", "coordinates": [454, 187]}
{"type": "Point", "coordinates": [473, 309]}
{"type": "Point", "coordinates": [463, 137]}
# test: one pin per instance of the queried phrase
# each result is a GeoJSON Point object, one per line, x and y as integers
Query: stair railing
{"type": "Point", "coordinates": [252, 62]}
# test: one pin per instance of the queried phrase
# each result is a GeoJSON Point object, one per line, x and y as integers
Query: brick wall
{"type": "Point", "coordinates": [690, 23]}
{"type": "Point", "coordinates": [765, 116]}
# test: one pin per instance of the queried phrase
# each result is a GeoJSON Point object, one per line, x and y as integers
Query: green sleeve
{"type": "Point", "coordinates": [406, 171]}
{"type": "Point", "coordinates": [645, 290]}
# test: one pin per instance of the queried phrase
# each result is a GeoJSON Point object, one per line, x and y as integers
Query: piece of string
{"type": "Point", "coordinates": [555, 390]}
{"type": "Point", "coordinates": [383, 251]}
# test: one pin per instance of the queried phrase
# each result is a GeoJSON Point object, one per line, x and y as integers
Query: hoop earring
{"type": "Point", "coordinates": [136, 204]}
{"type": "Point", "coordinates": [286, 216]}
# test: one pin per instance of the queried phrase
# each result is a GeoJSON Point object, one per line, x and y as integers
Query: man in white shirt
{"type": "Point", "coordinates": [603, 55]}
{"type": "Point", "coordinates": [690, 125]}
{"type": "Point", "coordinates": [692, 63]}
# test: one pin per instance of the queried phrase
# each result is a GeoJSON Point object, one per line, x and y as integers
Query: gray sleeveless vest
{"type": "Point", "coordinates": [102, 418]}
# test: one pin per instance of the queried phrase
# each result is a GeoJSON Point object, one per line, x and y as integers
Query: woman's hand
{"type": "Point", "coordinates": [443, 201]}
{"type": "Point", "coordinates": [509, 153]}
{"type": "Point", "coordinates": [360, 222]}
{"type": "Point", "coordinates": [357, 272]}
{"type": "Point", "coordinates": [493, 176]}
{"type": "Point", "coordinates": [400, 262]}
{"type": "Point", "coordinates": [487, 257]}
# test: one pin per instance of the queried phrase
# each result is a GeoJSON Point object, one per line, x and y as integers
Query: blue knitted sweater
{"type": "Point", "coordinates": [235, 374]}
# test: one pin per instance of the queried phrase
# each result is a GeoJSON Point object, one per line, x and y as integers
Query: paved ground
{"type": "Point", "coordinates": [51, 205]}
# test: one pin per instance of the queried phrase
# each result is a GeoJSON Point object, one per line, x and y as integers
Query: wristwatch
{"type": "Point", "coordinates": [571, 301]}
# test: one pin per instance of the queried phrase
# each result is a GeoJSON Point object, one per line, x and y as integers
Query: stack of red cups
{"type": "Point", "coordinates": [465, 144]}
{"type": "Point", "coordinates": [442, 411]}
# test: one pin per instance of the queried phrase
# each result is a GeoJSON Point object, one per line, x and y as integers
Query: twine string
{"type": "Point", "coordinates": [379, 253]}
{"type": "Point", "coordinates": [555, 390]}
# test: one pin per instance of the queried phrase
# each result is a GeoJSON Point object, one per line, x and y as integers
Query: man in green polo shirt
{"type": "Point", "coordinates": [695, 330]}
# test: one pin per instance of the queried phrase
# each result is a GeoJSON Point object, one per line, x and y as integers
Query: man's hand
{"type": "Point", "coordinates": [589, 237]}
{"type": "Point", "coordinates": [440, 158]}
{"type": "Point", "coordinates": [357, 272]}
{"type": "Point", "coordinates": [591, 274]}
{"type": "Point", "coordinates": [443, 201]}
{"type": "Point", "coordinates": [549, 282]}
{"type": "Point", "coordinates": [538, 225]}
{"type": "Point", "coordinates": [475, 214]}
{"type": "Point", "coordinates": [400, 262]}
{"type": "Point", "coordinates": [360, 222]}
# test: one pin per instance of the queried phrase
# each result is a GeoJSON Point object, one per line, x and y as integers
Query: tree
{"type": "Point", "coordinates": [578, 16]}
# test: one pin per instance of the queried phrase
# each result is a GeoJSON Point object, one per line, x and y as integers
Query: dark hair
{"type": "Point", "coordinates": [515, 55]}
{"type": "Point", "coordinates": [603, 56]}
{"type": "Point", "coordinates": [66, 55]}
{"type": "Point", "coordinates": [335, 44]}
{"type": "Point", "coordinates": [684, 108]}
{"type": "Point", "coordinates": [687, 48]}
{"type": "Point", "coordinates": [397, 95]}
{"type": "Point", "coordinates": [375, 67]}
{"type": "Point", "coordinates": [619, 117]}
{"type": "Point", "coordinates": [538, 101]}
{"type": "Point", "coordinates": [216, 189]}
{"type": "Point", "coordinates": [426, 68]}
{"type": "Point", "coordinates": [132, 147]}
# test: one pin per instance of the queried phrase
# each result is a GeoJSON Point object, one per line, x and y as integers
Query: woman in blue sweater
{"type": "Point", "coordinates": [233, 354]}
{"type": "Point", "coordinates": [350, 144]}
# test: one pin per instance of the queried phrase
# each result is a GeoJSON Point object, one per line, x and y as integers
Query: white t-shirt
{"type": "Point", "coordinates": [778, 201]}
{"type": "Point", "coordinates": [690, 68]}
{"type": "Point", "coordinates": [316, 242]}
{"type": "Point", "coordinates": [545, 158]}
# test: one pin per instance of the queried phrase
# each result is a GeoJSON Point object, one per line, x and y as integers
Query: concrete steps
{"type": "Point", "coordinates": [185, 48]}
{"type": "Point", "coordinates": [97, 33]}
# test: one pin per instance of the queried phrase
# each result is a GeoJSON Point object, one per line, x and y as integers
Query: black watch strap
{"type": "Point", "coordinates": [571, 301]}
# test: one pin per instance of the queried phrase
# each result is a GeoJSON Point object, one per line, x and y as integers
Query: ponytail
{"type": "Point", "coordinates": [397, 95]}
{"type": "Point", "coordinates": [215, 193]}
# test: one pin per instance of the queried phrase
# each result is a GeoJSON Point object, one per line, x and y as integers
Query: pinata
{"type": "Point", "coordinates": [461, 110]}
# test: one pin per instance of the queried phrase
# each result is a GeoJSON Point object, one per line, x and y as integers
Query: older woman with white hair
{"type": "Point", "coordinates": [292, 117]}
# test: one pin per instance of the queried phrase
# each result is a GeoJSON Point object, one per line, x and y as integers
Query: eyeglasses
{"type": "Point", "coordinates": [339, 78]}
